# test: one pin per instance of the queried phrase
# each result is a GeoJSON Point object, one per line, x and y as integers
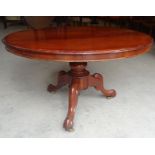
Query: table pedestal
{"type": "Point", "coordinates": [78, 78]}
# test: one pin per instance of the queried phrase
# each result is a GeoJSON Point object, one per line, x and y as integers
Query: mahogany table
{"type": "Point", "coordinates": [78, 45]}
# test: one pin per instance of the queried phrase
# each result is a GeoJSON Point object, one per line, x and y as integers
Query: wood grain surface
{"type": "Point", "coordinates": [78, 44]}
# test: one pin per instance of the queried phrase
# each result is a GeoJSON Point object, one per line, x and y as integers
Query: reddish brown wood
{"type": "Point", "coordinates": [63, 79]}
{"type": "Point", "coordinates": [78, 78]}
{"type": "Point", "coordinates": [96, 80]}
{"type": "Point", "coordinates": [78, 44]}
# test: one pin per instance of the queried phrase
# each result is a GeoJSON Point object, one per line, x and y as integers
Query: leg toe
{"type": "Point", "coordinates": [110, 93]}
{"type": "Point", "coordinates": [51, 88]}
{"type": "Point", "coordinates": [68, 124]}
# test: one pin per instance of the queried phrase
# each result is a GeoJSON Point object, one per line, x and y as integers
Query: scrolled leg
{"type": "Point", "coordinates": [73, 97]}
{"type": "Point", "coordinates": [63, 79]}
{"type": "Point", "coordinates": [96, 80]}
{"type": "Point", "coordinates": [78, 78]}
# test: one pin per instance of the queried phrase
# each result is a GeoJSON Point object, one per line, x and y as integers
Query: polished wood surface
{"type": "Point", "coordinates": [78, 78]}
{"type": "Point", "coordinates": [78, 44]}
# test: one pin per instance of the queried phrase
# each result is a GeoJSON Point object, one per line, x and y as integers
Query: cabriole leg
{"type": "Point", "coordinates": [73, 97]}
{"type": "Point", "coordinates": [96, 81]}
{"type": "Point", "coordinates": [63, 79]}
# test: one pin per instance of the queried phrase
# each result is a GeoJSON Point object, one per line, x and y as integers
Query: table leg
{"type": "Point", "coordinates": [96, 80]}
{"type": "Point", "coordinates": [73, 97]}
{"type": "Point", "coordinates": [62, 80]}
{"type": "Point", "coordinates": [78, 78]}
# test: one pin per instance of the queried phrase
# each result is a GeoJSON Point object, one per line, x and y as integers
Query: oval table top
{"type": "Point", "coordinates": [78, 44]}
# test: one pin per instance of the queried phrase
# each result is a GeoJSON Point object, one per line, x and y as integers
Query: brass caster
{"type": "Point", "coordinates": [109, 97]}
{"type": "Point", "coordinates": [70, 130]}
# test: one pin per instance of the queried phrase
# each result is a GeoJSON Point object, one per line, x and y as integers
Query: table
{"type": "Point", "coordinates": [78, 45]}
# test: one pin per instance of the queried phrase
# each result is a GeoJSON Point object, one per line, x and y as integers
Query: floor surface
{"type": "Point", "coordinates": [28, 110]}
